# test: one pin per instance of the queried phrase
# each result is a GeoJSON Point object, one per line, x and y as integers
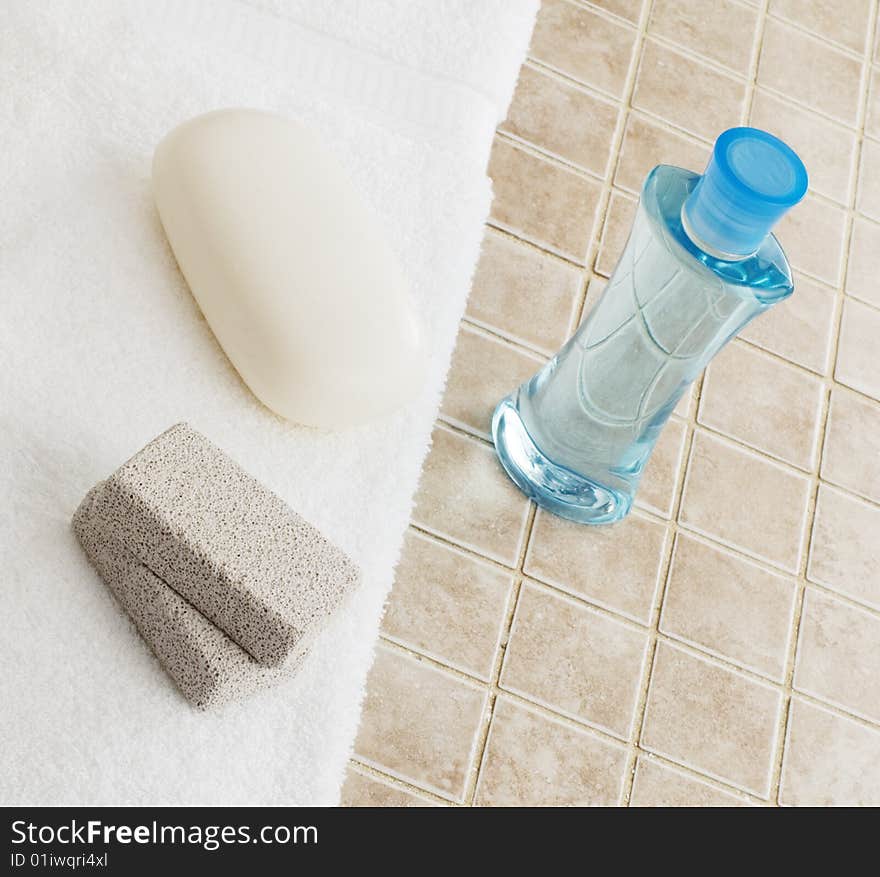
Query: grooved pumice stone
{"type": "Point", "coordinates": [289, 266]}
{"type": "Point", "coordinates": [208, 667]}
{"type": "Point", "coordinates": [229, 546]}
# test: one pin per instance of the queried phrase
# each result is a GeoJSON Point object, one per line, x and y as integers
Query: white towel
{"type": "Point", "coordinates": [102, 347]}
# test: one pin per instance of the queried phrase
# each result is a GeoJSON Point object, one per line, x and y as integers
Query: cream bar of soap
{"type": "Point", "coordinates": [289, 266]}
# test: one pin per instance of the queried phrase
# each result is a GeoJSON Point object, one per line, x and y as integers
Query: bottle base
{"type": "Point", "coordinates": [552, 487]}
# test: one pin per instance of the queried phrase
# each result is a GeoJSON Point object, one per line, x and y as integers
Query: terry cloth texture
{"type": "Point", "coordinates": [102, 346]}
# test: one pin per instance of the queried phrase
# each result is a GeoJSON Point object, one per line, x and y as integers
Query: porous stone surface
{"type": "Point", "coordinates": [208, 667]}
{"type": "Point", "coordinates": [225, 543]}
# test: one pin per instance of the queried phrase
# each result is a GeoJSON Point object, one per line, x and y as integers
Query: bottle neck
{"type": "Point", "coordinates": [697, 241]}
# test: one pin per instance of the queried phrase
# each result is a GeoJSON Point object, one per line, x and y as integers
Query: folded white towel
{"type": "Point", "coordinates": [102, 347]}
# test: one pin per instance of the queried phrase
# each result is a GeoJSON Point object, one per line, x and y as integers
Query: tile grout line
{"type": "Point", "coordinates": [763, 11]}
{"type": "Point", "coordinates": [698, 650]}
{"type": "Point", "coordinates": [739, 444]}
{"type": "Point", "coordinates": [794, 632]}
{"type": "Point", "coordinates": [568, 721]}
{"type": "Point", "coordinates": [493, 687]}
{"type": "Point", "coordinates": [394, 782]}
{"type": "Point", "coordinates": [608, 187]}
{"type": "Point", "coordinates": [755, 61]}
{"type": "Point", "coordinates": [654, 634]}
{"type": "Point", "coordinates": [551, 158]}
{"type": "Point", "coordinates": [602, 12]}
{"type": "Point", "coordinates": [797, 103]}
{"type": "Point", "coordinates": [690, 55]}
{"type": "Point", "coordinates": [830, 285]}
{"type": "Point", "coordinates": [531, 245]}
{"type": "Point", "coordinates": [474, 554]}
{"type": "Point", "coordinates": [670, 521]}
{"type": "Point", "coordinates": [630, 195]}
{"type": "Point", "coordinates": [852, 54]}
{"type": "Point", "coordinates": [624, 105]}
{"type": "Point", "coordinates": [751, 87]}
{"type": "Point", "coordinates": [397, 782]}
{"type": "Point", "coordinates": [748, 80]}
{"type": "Point", "coordinates": [871, 306]}
{"type": "Point", "coordinates": [687, 452]}
{"type": "Point", "coordinates": [497, 334]}
{"type": "Point", "coordinates": [827, 378]}
{"type": "Point", "coordinates": [692, 649]}
{"type": "Point", "coordinates": [648, 657]}
{"type": "Point", "coordinates": [599, 219]}
{"type": "Point", "coordinates": [527, 347]}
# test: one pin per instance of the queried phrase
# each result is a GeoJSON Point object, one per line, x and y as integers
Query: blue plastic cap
{"type": "Point", "coordinates": [751, 181]}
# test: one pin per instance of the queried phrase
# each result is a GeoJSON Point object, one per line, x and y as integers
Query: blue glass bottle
{"type": "Point", "coordinates": [699, 265]}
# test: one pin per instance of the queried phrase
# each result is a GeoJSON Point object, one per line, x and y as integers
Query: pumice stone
{"type": "Point", "coordinates": [226, 583]}
{"type": "Point", "coordinates": [289, 267]}
{"type": "Point", "coordinates": [208, 667]}
{"type": "Point", "coordinates": [225, 543]}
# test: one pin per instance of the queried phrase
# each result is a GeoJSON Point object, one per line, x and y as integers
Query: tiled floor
{"type": "Point", "coordinates": [721, 645]}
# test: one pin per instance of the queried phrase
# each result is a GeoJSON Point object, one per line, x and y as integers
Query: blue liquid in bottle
{"type": "Point", "coordinates": [699, 265]}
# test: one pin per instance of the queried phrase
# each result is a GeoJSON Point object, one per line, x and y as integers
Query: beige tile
{"type": "Point", "coordinates": [447, 605]}
{"type": "Point", "coordinates": [845, 549]}
{"type": "Point", "coordinates": [877, 42]}
{"type": "Point", "coordinates": [711, 719]}
{"type": "Point", "coordinates": [483, 371]}
{"type": "Point", "coordinates": [618, 222]}
{"type": "Point", "coordinates": [872, 122]}
{"type": "Point", "coordinates": [657, 785]}
{"type": "Point", "coordinates": [583, 45]}
{"type": "Point", "coordinates": [845, 23]}
{"type": "Point", "coordinates": [361, 790]}
{"type": "Point", "coordinates": [721, 30]}
{"type": "Point", "coordinates": [657, 489]}
{"type": "Point", "coordinates": [728, 606]}
{"type": "Point", "coordinates": [851, 456]}
{"type": "Point", "coordinates": [541, 201]}
{"type": "Point", "coordinates": [616, 567]}
{"type": "Point", "coordinates": [595, 288]}
{"type": "Point", "coordinates": [562, 119]}
{"type": "Point", "coordinates": [868, 199]}
{"type": "Point", "coordinates": [763, 402]}
{"type": "Point", "coordinates": [863, 267]}
{"type": "Point", "coordinates": [574, 660]}
{"type": "Point", "coordinates": [829, 760]}
{"type": "Point", "coordinates": [745, 501]}
{"type": "Point", "coordinates": [838, 655]}
{"type": "Point", "coordinates": [628, 9]}
{"type": "Point", "coordinates": [465, 495]}
{"type": "Point", "coordinates": [672, 86]}
{"type": "Point", "coordinates": [858, 365]}
{"type": "Point", "coordinates": [812, 235]}
{"type": "Point", "coordinates": [524, 293]}
{"type": "Point", "coordinates": [647, 144]}
{"type": "Point", "coordinates": [533, 761]}
{"type": "Point", "coordinates": [419, 724]}
{"type": "Point", "coordinates": [827, 149]}
{"type": "Point", "coordinates": [683, 408]}
{"type": "Point", "coordinates": [800, 328]}
{"type": "Point", "coordinates": [810, 71]}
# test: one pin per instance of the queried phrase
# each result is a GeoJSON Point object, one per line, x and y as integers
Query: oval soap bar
{"type": "Point", "coordinates": [289, 267]}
